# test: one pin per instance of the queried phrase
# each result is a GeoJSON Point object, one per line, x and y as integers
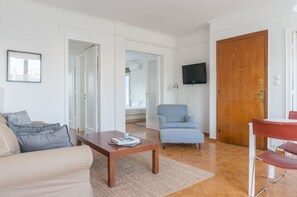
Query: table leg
{"type": "Point", "coordinates": [252, 155]}
{"type": "Point", "coordinates": [111, 171]}
{"type": "Point", "coordinates": [78, 143]}
{"type": "Point", "coordinates": [155, 160]}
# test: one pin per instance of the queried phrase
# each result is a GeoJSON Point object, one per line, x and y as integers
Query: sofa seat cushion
{"type": "Point", "coordinates": [192, 136]}
{"type": "Point", "coordinates": [8, 141]}
{"type": "Point", "coordinates": [178, 125]}
{"type": "Point", "coordinates": [44, 140]}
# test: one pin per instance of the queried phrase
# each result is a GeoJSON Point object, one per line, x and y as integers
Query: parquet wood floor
{"type": "Point", "coordinates": [228, 162]}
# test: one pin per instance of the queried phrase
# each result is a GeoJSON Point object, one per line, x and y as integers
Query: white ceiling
{"type": "Point", "coordinates": [173, 17]}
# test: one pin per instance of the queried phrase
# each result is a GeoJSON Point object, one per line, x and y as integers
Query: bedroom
{"type": "Point", "coordinates": [140, 87]}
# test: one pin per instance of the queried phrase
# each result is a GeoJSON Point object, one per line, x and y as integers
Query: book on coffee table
{"type": "Point", "coordinates": [126, 141]}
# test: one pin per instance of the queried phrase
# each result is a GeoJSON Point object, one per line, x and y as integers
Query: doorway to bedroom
{"type": "Point", "coordinates": [141, 88]}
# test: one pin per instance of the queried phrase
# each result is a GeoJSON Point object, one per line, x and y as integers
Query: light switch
{"type": "Point", "coordinates": [277, 77]}
{"type": "Point", "coordinates": [277, 83]}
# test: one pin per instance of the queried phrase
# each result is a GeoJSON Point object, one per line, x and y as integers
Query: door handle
{"type": "Point", "coordinates": [261, 96]}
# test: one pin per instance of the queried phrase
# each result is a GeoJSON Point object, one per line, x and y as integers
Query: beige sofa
{"type": "Point", "coordinates": [55, 172]}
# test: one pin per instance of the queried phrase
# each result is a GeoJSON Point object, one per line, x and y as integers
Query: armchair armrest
{"type": "Point", "coordinates": [189, 118]}
{"type": "Point", "coordinates": [162, 119]}
{"type": "Point", "coordinates": [42, 165]}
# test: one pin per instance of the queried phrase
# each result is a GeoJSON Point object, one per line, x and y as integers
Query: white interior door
{"type": "Point", "coordinates": [90, 93]}
{"type": "Point", "coordinates": [151, 96]}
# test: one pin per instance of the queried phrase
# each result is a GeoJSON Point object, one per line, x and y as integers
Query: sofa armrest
{"type": "Point", "coordinates": [42, 165]}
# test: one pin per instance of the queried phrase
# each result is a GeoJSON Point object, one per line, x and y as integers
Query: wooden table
{"type": "Point", "coordinates": [100, 142]}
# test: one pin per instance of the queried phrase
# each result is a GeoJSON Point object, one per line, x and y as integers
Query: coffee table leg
{"type": "Point", "coordinates": [111, 171]}
{"type": "Point", "coordinates": [155, 160]}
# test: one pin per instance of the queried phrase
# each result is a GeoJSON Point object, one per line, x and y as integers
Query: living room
{"type": "Point", "coordinates": [35, 26]}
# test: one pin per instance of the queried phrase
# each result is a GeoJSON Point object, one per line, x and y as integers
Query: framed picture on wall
{"type": "Point", "coordinates": [23, 66]}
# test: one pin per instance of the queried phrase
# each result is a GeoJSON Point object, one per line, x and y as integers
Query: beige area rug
{"type": "Point", "coordinates": [134, 176]}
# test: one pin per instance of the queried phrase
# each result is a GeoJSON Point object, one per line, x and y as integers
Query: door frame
{"type": "Point", "coordinates": [157, 59]}
{"type": "Point", "coordinates": [291, 48]}
{"type": "Point", "coordinates": [95, 118]}
{"type": "Point", "coordinates": [75, 90]}
{"type": "Point", "coordinates": [67, 38]}
{"type": "Point", "coordinates": [265, 33]}
{"type": "Point", "coordinates": [159, 67]}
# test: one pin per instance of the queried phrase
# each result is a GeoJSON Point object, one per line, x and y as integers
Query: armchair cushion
{"type": "Point", "coordinates": [173, 113]}
{"type": "Point", "coordinates": [178, 125]}
{"type": "Point", "coordinates": [175, 116]}
{"type": "Point", "coordinates": [181, 136]}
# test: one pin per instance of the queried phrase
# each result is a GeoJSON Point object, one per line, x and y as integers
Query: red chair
{"type": "Point", "coordinates": [276, 130]}
{"type": "Point", "coordinates": [290, 147]}
{"type": "Point", "coordinates": [293, 115]}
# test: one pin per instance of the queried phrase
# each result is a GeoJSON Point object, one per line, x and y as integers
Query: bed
{"type": "Point", "coordinates": [135, 113]}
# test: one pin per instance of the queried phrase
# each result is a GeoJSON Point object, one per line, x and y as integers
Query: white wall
{"type": "Point", "coordinates": [194, 48]}
{"type": "Point", "coordinates": [45, 30]}
{"type": "Point", "coordinates": [276, 18]}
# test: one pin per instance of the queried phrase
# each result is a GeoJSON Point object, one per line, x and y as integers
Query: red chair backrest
{"type": "Point", "coordinates": [277, 130]}
{"type": "Point", "coordinates": [293, 115]}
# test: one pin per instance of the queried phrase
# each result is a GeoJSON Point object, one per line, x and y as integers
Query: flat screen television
{"type": "Point", "coordinates": [194, 73]}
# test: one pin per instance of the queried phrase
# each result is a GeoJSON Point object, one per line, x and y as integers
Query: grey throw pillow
{"type": "Point", "coordinates": [32, 128]}
{"type": "Point", "coordinates": [44, 140]}
{"type": "Point", "coordinates": [18, 118]}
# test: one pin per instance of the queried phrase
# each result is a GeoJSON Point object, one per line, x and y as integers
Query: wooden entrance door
{"type": "Point", "coordinates": [241, 86]}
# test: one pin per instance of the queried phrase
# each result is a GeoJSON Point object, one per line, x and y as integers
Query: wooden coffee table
{"type": "Point", "coordinates": [100, 142]}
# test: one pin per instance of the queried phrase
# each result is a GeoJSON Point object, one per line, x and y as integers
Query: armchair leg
{"type": "Point", "coordinates": [198, 146]}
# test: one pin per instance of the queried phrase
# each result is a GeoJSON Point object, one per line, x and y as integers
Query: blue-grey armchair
{"type": "Point", "coordinates": [176, 126]}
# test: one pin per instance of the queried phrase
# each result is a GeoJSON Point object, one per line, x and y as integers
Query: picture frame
{"type": "Point", "coordinates": [23, 66]}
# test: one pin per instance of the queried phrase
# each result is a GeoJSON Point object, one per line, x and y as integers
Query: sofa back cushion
{"type": "Point", "coordinates": [18, 118]}
{"type": "Point", "coordinates": [44, 140]}
{"type": "Point", "coordinates": [8, 141]}
{"type": "Point", "coordinates": [32, 128]}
